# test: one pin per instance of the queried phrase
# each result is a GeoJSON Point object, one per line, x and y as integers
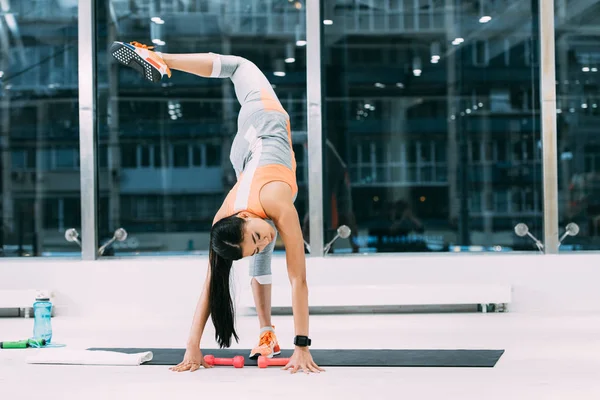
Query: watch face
{"type": "Point", "coordinates": [301, 341]}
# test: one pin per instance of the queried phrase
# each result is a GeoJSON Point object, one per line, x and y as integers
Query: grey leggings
{"type": "Point", "coordinates": [251, 86]}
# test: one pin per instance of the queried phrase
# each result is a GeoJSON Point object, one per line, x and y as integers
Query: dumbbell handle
{"type": "Point", "coordinates": [264, 362]}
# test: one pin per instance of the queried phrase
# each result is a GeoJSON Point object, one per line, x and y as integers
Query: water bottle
{"type": "Point", "coordinates": [42, 314]}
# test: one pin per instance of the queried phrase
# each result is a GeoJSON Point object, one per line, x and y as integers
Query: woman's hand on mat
{"type": "Point", "coordinates": [302, 359]}
{"type": "Point", "coordinates": [192, 360]}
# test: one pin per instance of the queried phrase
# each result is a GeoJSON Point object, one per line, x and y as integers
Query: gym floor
{"type": "Point", "coordinates": [547, 357]}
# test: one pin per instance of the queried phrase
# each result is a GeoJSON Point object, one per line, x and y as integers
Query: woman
{"type": "Point", "coordinates": [260, 205]}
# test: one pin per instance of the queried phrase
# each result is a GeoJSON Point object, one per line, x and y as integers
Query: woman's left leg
{"type": "Point", "coordinates": [261, 282]}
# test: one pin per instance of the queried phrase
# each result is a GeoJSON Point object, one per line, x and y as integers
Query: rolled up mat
{"type": "Point", "coordinates": [86, 357]}
{"type": "Point", "coordinates": [345, 357]}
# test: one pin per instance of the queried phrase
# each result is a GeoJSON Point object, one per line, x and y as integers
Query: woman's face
{"type": "Point", "coordinates": [257, 235]}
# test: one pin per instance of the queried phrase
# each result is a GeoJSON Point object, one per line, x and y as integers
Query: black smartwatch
{"type": "Point", "coordinates": [302, 341]}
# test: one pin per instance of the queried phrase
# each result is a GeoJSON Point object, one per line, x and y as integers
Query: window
{"type": "Point", "coordinates": [197, 155]}
{"type": "Point", "coordinates": [65, 158]}
{"type": "Point", "coordinates": [181, 156]}
{"type": "Point", "coordinates": [174, 138]}
{"type": "Point", "coordinates": [144, 152]}
{"type": "Point", "coordinates": [481, 53]}
{"type": "Point", "coordinates": [102, 157]}
{"type": "Point", "coordinates": [19, 159]}
{"type": "Point", "coordinates": [577, 125]}
{"type": "Point", "coordinates": [438, 143]}
{"type": "Point", "coordinates": [213, 155]}
{"type": "Point", "coordinates": [42, 124]}
{"type": "Point", "coordinates": [129, 156]}
{"type": "Point", "coordinates": [157, 153]}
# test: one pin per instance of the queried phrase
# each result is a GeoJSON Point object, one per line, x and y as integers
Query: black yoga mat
{"type": "Point", "coordinates": [345, 357]}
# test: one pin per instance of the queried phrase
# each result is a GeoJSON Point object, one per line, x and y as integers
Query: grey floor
{"type": "Point", "coordinates": [547, 357]}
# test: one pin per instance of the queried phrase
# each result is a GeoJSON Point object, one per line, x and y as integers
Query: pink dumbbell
{"type": "Point", "coordinates": [237, 361]}
{"type": "Point", "coordinates": [264, 362]}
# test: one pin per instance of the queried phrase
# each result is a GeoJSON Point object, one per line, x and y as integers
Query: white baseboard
{"type": "Point", "coordinates": [378, 296]}
{"type": "Point", "coordinates": [23, 298]}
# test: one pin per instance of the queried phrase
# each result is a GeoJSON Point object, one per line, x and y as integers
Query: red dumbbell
{"type": "Point", "coordinates": [237, 361]}
{"type": "Point", "coordinates": [264, 362]}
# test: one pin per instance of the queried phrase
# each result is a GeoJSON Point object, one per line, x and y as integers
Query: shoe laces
{"type": "Point", "coordinates": [141, 45]}
{"type": "Point", "coordinates": [266, 339]}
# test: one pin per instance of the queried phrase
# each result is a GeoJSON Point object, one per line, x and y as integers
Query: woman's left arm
{"type": "Point", "coordinates": [288, 226]}
{"type": "Point", "coordinates": [277, 201]}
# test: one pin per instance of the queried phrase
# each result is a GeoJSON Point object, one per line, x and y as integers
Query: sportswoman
{"type": "Point", "coordinates": [258, 207]}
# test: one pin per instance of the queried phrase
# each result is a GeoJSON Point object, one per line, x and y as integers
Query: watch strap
{"type": "Point", "coordinates": [302, 341]}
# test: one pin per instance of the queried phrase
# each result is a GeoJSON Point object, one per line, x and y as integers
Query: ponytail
{"type": "Point", "coordinates": [221, 304]}
{"type": "Point", "coordinates": [225, 247]}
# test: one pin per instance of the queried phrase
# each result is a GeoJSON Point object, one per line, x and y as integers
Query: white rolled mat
{"type": "Point", "coordinates": [87, 357]}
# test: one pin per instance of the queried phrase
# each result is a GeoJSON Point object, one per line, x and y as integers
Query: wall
{"type": "Point", "coordinates": [169, 287]}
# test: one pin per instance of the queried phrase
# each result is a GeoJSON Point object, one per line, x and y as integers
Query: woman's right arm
{"type": "Point", "coordinates": [202, 310]}
{"type": "Point", "coordinates": [200, 315]}
{"type": "Point", "coordinates": [193, 359]}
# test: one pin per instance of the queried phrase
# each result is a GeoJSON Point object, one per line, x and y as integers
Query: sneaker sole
{"type": "Point", "coordinates": [130, 58]}
{"type": "Point", "coordinates": [255, 356]}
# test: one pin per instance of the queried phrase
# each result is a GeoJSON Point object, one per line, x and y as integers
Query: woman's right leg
{"type": "Point", "coordinates": [200, 64]}
{"type": "Point", "coordinates": [249, 81]}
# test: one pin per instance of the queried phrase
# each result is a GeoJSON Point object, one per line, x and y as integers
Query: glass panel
{"type": "Point", "coordinates": [578, 84]}
{"type": "Point", "coordinates": [432, 116]}
{"type": "Point", "coordinates": [175, 136]}
{"type": "Point", "coordinates": [129, 155]}
{"type": "Point", "coordinates": [181, 155]}
{"type": "Point", "coordinates": [196, 156]}
{"type": "Point", "coordinates": [144, 156]}
{"type": "Point", "coordinates": [39, 128]}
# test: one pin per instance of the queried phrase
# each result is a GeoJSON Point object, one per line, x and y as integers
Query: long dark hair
{"type": "Point", "coordinates": [225, 247]}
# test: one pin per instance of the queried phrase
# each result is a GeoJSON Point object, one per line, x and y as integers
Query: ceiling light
{"type": "Point", "coordinates": [416, 64]}
{"type": "Point", "coordinates": [485, 19]}
{"type": "Point", "coordinates": [278, 68]}
{"type": "Point", "coordinates": [327, 22]}
{"type": "Point", "coordinates": [299, 36]}
{"type": "Point", "coordinates": [289, 53]}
